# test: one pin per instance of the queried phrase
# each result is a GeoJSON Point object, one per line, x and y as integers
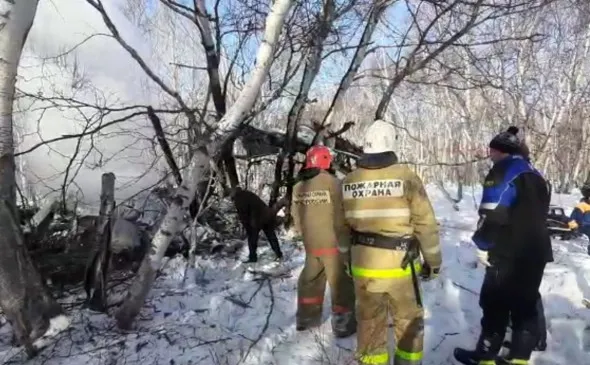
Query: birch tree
{"type": "Point", "coordinates": [200, 17]}
{"type": "Point", "coordinates": [16, 19]}
{"type": "Point", "coordinates": [359, 56]}
{"type": "Point", "coordinates": [463, 16]}
{"type": "Point", "coordinates": [28, 306]}
{"type": "Point", "coordinates": [317, 37]}
{"type": "Point", "coordinates": [202, 161]}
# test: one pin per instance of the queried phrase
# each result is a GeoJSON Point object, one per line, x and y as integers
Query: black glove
{"type": "Point", "coordinates": [429, 273]}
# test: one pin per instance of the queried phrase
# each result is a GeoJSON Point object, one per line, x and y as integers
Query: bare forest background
{"type": "Point", "coordinates": [448, 74]}
{"type": "Point", "coordinates": [188, 98]}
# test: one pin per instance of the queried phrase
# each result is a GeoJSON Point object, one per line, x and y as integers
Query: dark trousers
{"type": "Point", "coordinates": [542, 323]}
{"type": "Point", "coordinates": [253, 234]}
{"type": "Point", "coordinates": [541, 326]}
{"type": "Point", "coordinates": [512, 294]}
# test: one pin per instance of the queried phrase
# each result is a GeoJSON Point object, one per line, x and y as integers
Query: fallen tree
{"type": "Point", "coordinates": [204, 159]}
{"type": "Point", "coordinates": [259, 142]}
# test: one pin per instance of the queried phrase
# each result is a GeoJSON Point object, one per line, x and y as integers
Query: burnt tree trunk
{"type": "Point", "coordinates": [97, 271]}
{"type": "Point", "coordinates": [165, 146]}
{"type": "Point", "coordinates": [163, 142]}
{"type": "Point", "coordinates": [312, 67]}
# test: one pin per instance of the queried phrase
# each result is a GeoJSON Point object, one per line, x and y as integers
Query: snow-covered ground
{"type": "Point", "coordinates": [231, 317]}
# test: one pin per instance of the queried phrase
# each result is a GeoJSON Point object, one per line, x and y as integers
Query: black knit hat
{"type": "Point", "coordinates": [507, 141]}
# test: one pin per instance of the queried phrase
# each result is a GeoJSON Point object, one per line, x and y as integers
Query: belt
{"type": "Point", "coordinates": [379, 241]}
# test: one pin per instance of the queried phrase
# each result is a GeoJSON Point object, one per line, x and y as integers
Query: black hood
{"type": "Point", "coordinates": [377, 160]}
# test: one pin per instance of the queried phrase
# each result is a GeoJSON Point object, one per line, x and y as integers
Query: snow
{"type": "Point", "coordinates": [230, 316]}
{"type": "Point", "coordinates": [57, 324]}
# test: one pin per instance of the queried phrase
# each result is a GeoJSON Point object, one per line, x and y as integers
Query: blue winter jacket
{"type": "Point", "coordinates": [513, 211]}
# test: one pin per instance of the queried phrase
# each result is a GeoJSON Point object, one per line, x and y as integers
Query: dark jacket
{"type": "Point", "coordinates": [252, 211]}
{"type": "Point", "coordinates": [513, 214]}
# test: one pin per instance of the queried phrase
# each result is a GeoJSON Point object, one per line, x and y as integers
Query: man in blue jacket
{"type": "Point", "coordinates": [514, 245]}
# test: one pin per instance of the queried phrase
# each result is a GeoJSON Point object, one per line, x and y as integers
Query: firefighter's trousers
{"type": "Point", "coordinates": [321, 265]}
{"type": "Point", "coordinates": [381, 298]}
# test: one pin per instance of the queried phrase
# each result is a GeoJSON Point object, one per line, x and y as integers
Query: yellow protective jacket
{"type": "Point", "coordinates": [389, 199]}
{"type": "Point", "coordinates": [318, 214]}
{"type": "Point", "coordinates": [580, 216]}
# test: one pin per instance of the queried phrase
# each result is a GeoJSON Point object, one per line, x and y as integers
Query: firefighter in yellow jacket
{"type": "Point", "coordinates": [392, 222]}
{"type": "Point", "coordinates": [318, 216]}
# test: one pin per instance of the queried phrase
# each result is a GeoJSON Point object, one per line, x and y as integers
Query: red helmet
{"type": "Point", "coordinates": [318, 157]}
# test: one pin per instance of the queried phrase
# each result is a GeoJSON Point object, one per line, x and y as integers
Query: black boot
{"type": "Point", "coordinates": [251, 259]}
{"type": "Point", "coordinates": [487, 348]}
{"type": "Point", "coordinates": [542, 327]}
{"type": "Point", "coordinates": [523, 343]}
{"type": "Point", "coordinates": [541, 341]}
{"type": "Point", "coordinates": [304, 325]}
{"type": "Point", "coordinates": [343, 324]}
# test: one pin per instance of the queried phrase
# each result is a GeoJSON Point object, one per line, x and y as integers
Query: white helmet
{"type": "Point", "coordinates": [379, 137]}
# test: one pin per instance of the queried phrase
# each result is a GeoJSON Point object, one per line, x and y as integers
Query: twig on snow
{"type": "Point", "coordinates": [237, 302]}
{"type": "Point", "coordinates": [465, 288]}
{"type": "Point", "coordinates": [266, 323]}
{"type": "Point", "coordinates": [260, 285]}
{"type": "Point", "coordinates": [211, 342]}
{"type": "Point", "coordinates": [444, 337]}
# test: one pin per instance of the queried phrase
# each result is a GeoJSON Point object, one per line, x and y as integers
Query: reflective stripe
{"type": "Point", "coordinates": [375, 359]}
{"type": "Point", "coordinates": [411, 356]}
{"type": "Point", "coordinates": [489, 206]}
{"type": "Point", "coordinates": [311, 300]}
{"type": "Point", "coordinates": [377, 213]}
{"type": "Point", "coordinates": [385, 273]}
{"type": "Point", "coordinates": [339, 309]}
{"type": "Point", "coordinates": [324, 251]}
{"type": "Point", "coordinates": [487, 362]}
{"type": "Point", "coordinates": [343, 249]}
{"type": "Point", "coordinates": [519, 361]}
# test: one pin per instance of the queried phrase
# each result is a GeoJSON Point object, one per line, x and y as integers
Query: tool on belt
{"type": "Point", "coordinates": [408, 243]}
{"type": "Point", "coordinates": [410, 257]}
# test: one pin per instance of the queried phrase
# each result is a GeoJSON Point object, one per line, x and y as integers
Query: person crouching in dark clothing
{"type": "Point", "coordinates": [514, 245]}
{"type": "Point", "coordinates": [255, 216]}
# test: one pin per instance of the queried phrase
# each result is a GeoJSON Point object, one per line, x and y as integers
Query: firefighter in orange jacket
{"type": "Point", "coordinates": [319, 217]}
{"type": "Point", "coordinates": [392, 223]}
